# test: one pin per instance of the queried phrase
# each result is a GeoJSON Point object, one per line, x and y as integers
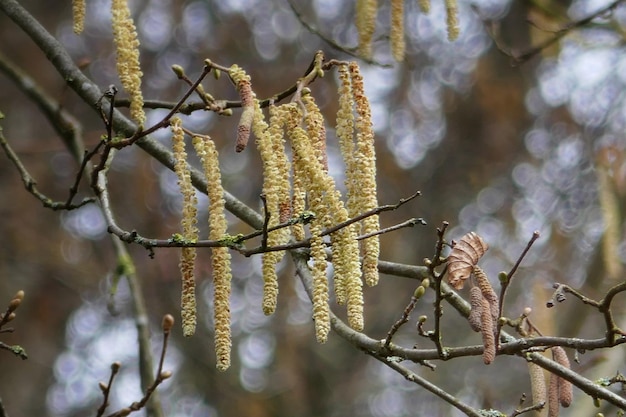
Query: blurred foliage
{"type": "Point", "coordinates": [503, 150]}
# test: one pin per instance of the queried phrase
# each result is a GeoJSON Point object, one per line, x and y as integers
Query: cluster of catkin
{"type": "Point", "coordinates": [365, 19]}
{"type": "Point", "coordinates": [127, 51]}
{"type": "Point", "coordinates": [558, 392]}
{"type": "Point", "coordinates": [301, 184]}
{"type": "Point", "coordinates": [220, 256]}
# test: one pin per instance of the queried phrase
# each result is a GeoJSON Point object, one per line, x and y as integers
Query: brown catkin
{"type": "Point", "coordinates": [537, 384]}
{"type": "Point", "coordinates": [553, 396]}
{"type": "Point", "coordinates": [487, 331]}
{"type": "Point", "coordinates": [565, 387]}
{"type": "Point", "coordinates": [476, 303]}
{"type": "Point", "coordinates": [488, 293]}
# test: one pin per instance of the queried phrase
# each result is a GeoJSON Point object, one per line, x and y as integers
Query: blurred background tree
{"type": "Point", "coordinates": [497, 148]}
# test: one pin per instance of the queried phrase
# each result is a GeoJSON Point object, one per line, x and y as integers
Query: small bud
{"type": "Point", "coordinates": [14, 304]}
{"type": "Point", "coordinates": [426, 283]}
{"type": "Point", "coordinates": [9, 318]}
{"type": "Point", "coordinates": [422, 319]}
{"type": "Point", "coordinates": [217, 73]}
{"type": "Point", "coordinates": [427, 262]}
{"type": "Point", "coordinates": [19, 295]}
{"type": "Point", "coordinates": [502, 321]}
{"type": "Point", "coordinates": [596, 403]}
{"type": "Point", "coordinates": [165, 375]}
{"type": "Point", "coordinates": [103, 387]}
{"type": "Point", "coordinates": [179, 71]}
{"type": "Point", "coordinates": [503, 277]}
{"type": "Point", "coordinates": [320, 73]}
{"type": "Point", "coordinates": [115, 366]}
{"type": "Point", "coordinates": [167, 323]}
{"type": "Point", "coordinates": [527, 311]}
{"type": "Point", "coordinates": [226, 112]}
{"type": "Point", "coordinates": [419, 291]}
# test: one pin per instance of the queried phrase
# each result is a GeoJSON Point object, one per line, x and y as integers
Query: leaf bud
{"type": "Point", "coordinates": [217, 73]}
{"type": "Point", "coordinates": [422, 319]}
{"type": "Point", "coordinates": [115, 366]}
{"type": "Point", "coordinates": [503, 277]}
{"type": "Point", "coordinates": [103, 386]}
{"type": "Point", "coordinates": [10, 317]}
{"type": "Point", "coordinates": [167, 323]}
{"type": "Point", "coordinates": [226, 112]}
{"type": "Point", "coordinates": [179, 71]}
{"type": "Point", "coordinates": [427, 262]}
{"type": "Point", "coordinates": [14, 304]}
{"type": "Point", "coordinates": [426, 283]}
{"type": "Point", "coordinates": [165, 375]}
{"type": "Point", "coordinates": [19, 295]}
{"type": "Point", "coordinates": [419, 292]}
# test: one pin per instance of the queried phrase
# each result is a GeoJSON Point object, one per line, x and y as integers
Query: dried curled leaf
{"type": "Point", "coordinates": [464, 256]}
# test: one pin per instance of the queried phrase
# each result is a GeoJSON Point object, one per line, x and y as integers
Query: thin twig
{"type": "Point", "coordinates": [520, 58]}
{"type": "Point", "coordinates": [437, 278]}
{"type": "Point", "coordinates": [331, 42]}
{"type": "Point", "coordinates": [507, 281]}
{"type": "Point", "coordinates": [106, 389]}
{"type": "Point", "coordinates": [31, 185]}
{"type": "Point", "coordinates": [405, 318]}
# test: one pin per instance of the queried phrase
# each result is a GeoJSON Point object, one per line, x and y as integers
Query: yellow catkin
{"type": "Point", "coordinates": [366, 24]}
{"type": "Point", "coordinates": [396, 34]}
{"type": "Point", "coordinates": [452, 19]}
{"type": "Point", "coordinates": [424, 5]}
{"type": "Point", "coordinates": [345, 134]}
{"type": "Point", "coordinates": [538, 387]}
{"type": "Point", "coordinates": [78, 15]}
{"type": "Point", "coordinates": [273, 183]}
{"type": "Point", "coordinates": [348, 284]}
{"type": "Point", "coordinates": [220, 257]}
{"type": "Point", "coordinates": [321, 314]}
{"type": "Point", "coordinates": [128, 68]}
{"type": "Point", "coordinates": [298, 200]}
{"type": "Point", "coordinates": [189, 229]}
{"type": "Point", "coordinates": [276, 133]}
{"type": "Point", "coordinates": [315, 128]}
{"type": "Point", "coordinates": [487, 332]}
{"type": "Point", "coordinates": [565, 387]}
{"type": "Point", "coordinates": [364, 186]}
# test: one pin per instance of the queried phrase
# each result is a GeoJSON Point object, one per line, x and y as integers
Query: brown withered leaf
{"type": "Point", "coordinates": [464, 255]}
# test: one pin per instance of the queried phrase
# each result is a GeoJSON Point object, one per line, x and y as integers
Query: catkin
{"type": "Point", "coordinates": [452, 19]}
{"type": "Point", "coordinates": [487, 331]}
{"type": "Point", "coordinates": [488, 292]}
{"type": "Point", "coordinates": [128, 68]}
{"type": "Point", "coordinates": [537, 384]}
{"type": "Point", "coordinates": [565, 387]}
{"type": "Point", "coordinates": [189, 229]}
{"type": "Point", "coordinates": [366, 24]}
{"type": "Point", "coordinates": [476, 303]}
{"type": "Point", "coordinates": [78, 14]}
{"type": "Point", "coordinates": [396, 34]}
{"type": "Point", "coordinates": [553, 396]}
{"type": "Point", "coordinates": [220, 256]}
